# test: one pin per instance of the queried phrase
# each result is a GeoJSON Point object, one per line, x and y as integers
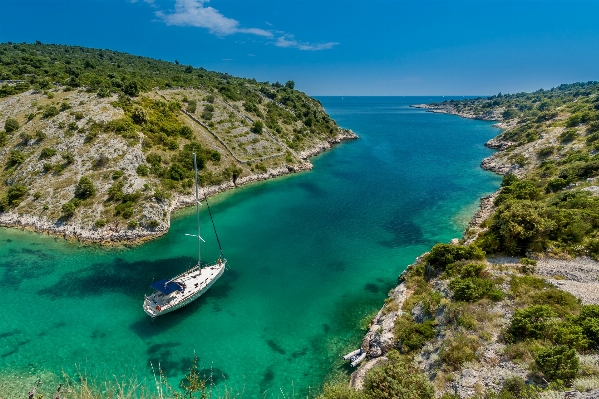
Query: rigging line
{"type": "Point", "coordinates": [212, 220]}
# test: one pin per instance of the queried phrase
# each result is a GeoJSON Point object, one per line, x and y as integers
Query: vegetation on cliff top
{"type": "Point", "coordinates": [464, 312]}
{"type": "Point", "coordinates": [130, 124]}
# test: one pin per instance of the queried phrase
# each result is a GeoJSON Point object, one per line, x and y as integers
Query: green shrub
{"type": "Point", "coordinates": [556, 185]}
{"type": "Point", "coordinates": [100, 223]}
{"type": "Point", "coordinates": [459, 350]}
{"type": "Point", "coordinates": [558, 363]}
{"type": "Point", "coordinates": [16, 157]}
{"type": "Point", "coordinates": [531, 322]}
{"type": "Point", "coordinates": [50, 111]}
{"type": "Point", "coordinates": [397, 380]}
{"type": "Point", "coordinates": [206, 115]}
{"type": "Point", "coordinates": [516, 388]}
{"type": "Point", "coordinates": [257, 127]}
{"type": "Point", "coordinates": [210, 98]}
{"type": "Point", "coordinates": [40, 135]}
{"type": "Point", "coordinates": [518, 224]}
{"type": "Point", "coordinates": [84, 189]}
{"type": "Point", "coordinates": [132, 224]}
{"type": "Point", "coordinates": [117, 174]}
{"type": "Point", "coordinates": [520, 190]}
{"type": "Point", "coordinates": [11, 125]}
{"type": "Point", "coordinates": [192, 106]}
{"type": "Point", "coordinates": [15, 194]}
{"type": "Point", "coordinates": [442, 255]}
{"type": "Point", "coordinates": [47, 152]}
{"type": "Point", "coordinates": [186, 132]}
{"type": "Point", "coordinates": [68, 208]}
{"type": "Point", "coordinates": [568, 135]}
{"type": "Point", "coordinates": [412, 336]}
{"type": "Point", "coordinates": [472, 289]}
{"type": "Point", "coordinates": [562, 302]}
{"type": "Point", "coordinates": [142, 170]}
{"type": "Point", "coordinates": [546, 152]}
{"type": "Point", "coordinates": [340, 391]}
{"type": "Point", "coordinates": [570, 335]}
{"type": "Point", "coordinates": [153, 224]}
{"type": "Point", "coordinates": [260, 166]}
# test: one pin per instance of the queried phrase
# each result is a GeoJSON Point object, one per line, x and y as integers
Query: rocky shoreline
{"type": "Point", "coordinates": [443, 108]}
{"type": "Point", "coordinates": [118, 235]}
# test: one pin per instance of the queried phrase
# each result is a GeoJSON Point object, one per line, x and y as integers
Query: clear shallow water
{"type": "Point", "coordinates": [310, 255]}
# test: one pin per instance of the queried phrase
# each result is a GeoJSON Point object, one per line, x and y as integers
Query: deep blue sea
{"type": "Point", "coordinates": [310, 255]}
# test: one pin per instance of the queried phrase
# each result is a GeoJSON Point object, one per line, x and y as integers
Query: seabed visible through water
{"type": "Point", "coordinates": [309, 255]}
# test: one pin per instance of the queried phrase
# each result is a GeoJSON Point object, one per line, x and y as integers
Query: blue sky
{"type": "Point", "coordinates": [328, 47]}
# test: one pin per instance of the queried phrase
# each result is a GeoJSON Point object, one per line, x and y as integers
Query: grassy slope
{"type": "Point", "coordinates": [129, 124]}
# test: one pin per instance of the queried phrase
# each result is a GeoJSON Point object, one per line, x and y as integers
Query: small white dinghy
{"type": "Point", "coordinates": [181, 290]}
{"type": "Point", "coordinates": [355, 357]}
{"type": "Point", "coordinates": [358, 359]}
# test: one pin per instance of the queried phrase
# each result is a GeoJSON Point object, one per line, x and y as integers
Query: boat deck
{"type": "Point", "coordinates": [193, 283]}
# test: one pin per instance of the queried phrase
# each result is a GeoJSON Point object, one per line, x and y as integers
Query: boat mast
{"type": "Point", "coordinates": [195, 168]}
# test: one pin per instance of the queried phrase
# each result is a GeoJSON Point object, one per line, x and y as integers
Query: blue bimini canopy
{"type": "Point", "coordinates": [166, 287]}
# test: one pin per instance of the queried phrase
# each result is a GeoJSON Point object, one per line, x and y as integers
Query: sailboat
{"type": "Point", "coordinates": [183, 289]}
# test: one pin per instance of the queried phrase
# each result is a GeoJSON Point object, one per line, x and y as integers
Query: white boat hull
{"type": "Point", "coordinates": [196, 282]}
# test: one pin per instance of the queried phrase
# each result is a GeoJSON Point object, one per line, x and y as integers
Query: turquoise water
{"type": "Point", "coordinates": [310, 255]}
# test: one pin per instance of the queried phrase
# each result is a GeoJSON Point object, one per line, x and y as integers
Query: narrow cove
{"type": "Point", "coordinates": [310, 256]}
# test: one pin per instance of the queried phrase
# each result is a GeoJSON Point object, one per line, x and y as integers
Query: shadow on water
{"type": "Point", "coordinates": [23, 264]}
{"type": "Point", "coordinates": [118, 276]}
{"type": "Point", "coordinates": [405, 232]}
{"type": "Point", "coordinates": [275, 347]}
{"type": "Point", "coordinates": [267, 379]}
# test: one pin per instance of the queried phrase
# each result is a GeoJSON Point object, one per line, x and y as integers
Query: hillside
{"type": "Point", "coordinates": [512, 309]}
{"type": "Point", "coordinates": [98, 144]}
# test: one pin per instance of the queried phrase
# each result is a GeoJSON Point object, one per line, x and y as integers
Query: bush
{"type": "Point", "coordinates": [142, 170]}
{"type": "Point", "coordinates": [139, 115]}
{"type": "Point", "coordinates": [412, 336]}
{"type": "Point", "coordinates": [16, 157]}
{"type": "Point", "coordinates": [50, 111]}
{"type": "Point", "coordinates": [192, 106]}
{"type": "Point", "coordinates": [84, 189]}
{"type": "Point", "coordinates": [132, 224]}
{"type": "Point", "coordinates": [459, 350]}
{"type": "Point", "coordinates": [99, 223]}
{"type": "Point", "coordinates": [210, 98]}
{"type": "Point", "coordinates": [556, 185]}
{"type": "Point", "coordinates": [186, 132]}
{"type": "Point", "coordinates": [47, 152]}
{"type": "Point", "coordinates": [15, 194]}
{"type": "Point", "coordinates": [516, 388]}
{"type": "Point", "coordinates": [558, 363]}
{"type": "Point", "coordinates": [206, 115]}
{"type": "Point", "coordinates": [40, 135]}
{"type": "Point", "coordinates": [518, 224]}
{"type": "Point", "coordinates": [474, 288]}
{"type": "Point", "coordinates": [568, 135]}
{"type": "Point", "coordinates": [11, 125]}
{"type": "Point", "coordinates": [570, 335]}
{"type": "Point", "coordinates": [397, 380]}
{"type": "Point", "coordinates": [153, 224]}
{"type": "Point", "coordinates": [531, 322]}
{"type": "Point", "coordinates": [68, 208]}
{"type": "Point", "coordinates": [442, 255]}
{"type": "Point", "coordinates": [520, 190]}
{"type": "Point", "coordinates": [257, 127]}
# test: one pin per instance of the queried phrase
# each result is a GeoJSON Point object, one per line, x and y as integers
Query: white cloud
{"type": "Point", "coordinates": [194, 13]}
{"type": "Point", "coordinates": [289, 41]}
